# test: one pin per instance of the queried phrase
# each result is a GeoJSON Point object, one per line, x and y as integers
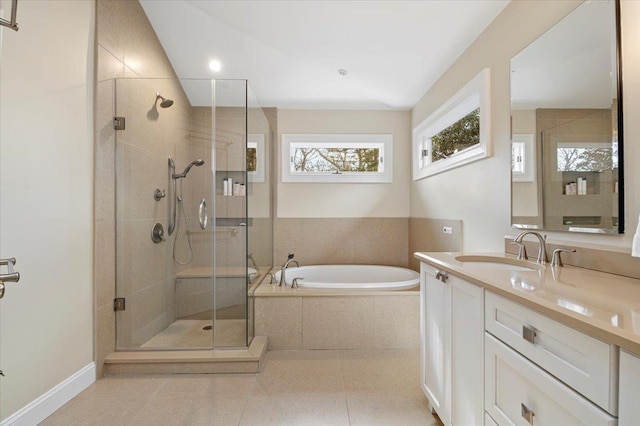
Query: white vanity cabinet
{"type": "Point", "coordinates": [452, 327]}
{"type": "Point", "coordinates": [629, 403]}
{"type": "Point", "coordinates": [539, 371]}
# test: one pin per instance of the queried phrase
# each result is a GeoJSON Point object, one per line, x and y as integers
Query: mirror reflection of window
{"type": "Point", "coordinates": [584, 157]}
{"type": "Point", "coordinates": [517, 158]}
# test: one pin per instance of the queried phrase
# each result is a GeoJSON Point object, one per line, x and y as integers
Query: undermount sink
{"type": "Point", "coordinates": [503, 263]}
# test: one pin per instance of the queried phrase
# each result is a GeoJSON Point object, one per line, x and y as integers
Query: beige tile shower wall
{"type": "Point", "coordinates": [128, 47]}
{"type": "Point", "coordinates": [317, 241]}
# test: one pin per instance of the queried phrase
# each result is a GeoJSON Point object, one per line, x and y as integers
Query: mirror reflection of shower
{"type": "Point", "coordinates": [175, 198]}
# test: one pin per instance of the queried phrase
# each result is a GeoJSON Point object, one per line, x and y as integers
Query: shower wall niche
{"type": "Point", "coordinates": [191, 288]}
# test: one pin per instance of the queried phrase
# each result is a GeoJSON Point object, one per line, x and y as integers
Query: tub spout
{"type": "Point", "coordinates": [290, 259]}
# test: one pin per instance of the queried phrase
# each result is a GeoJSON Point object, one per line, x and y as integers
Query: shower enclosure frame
{"type": "Point", "coordinates": [121, 232]}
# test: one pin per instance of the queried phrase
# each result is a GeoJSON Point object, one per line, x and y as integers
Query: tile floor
{"type": "Point", "coordinates": [358, 387]}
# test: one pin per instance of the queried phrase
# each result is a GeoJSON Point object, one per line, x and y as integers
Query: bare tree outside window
{"type": "Point", "coordinates": [462, 134]}
{"type": "Point", "coordinates": [585, 159]}
{"type": "Point", "coordinates": [336, 159]}
{"type": "Point", "coordinates": [252, 159]}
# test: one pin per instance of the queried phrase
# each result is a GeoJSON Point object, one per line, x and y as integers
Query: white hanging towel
{"type": "Point", "coordinates": [635, 249]}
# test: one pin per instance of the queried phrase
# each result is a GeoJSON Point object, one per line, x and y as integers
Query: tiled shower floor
{"type": "Point", "coordinates": [188, 333]}
{"type": "Point", "coordinates": [357, 387]}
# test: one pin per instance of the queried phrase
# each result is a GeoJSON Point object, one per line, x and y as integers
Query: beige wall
{"type": "Point", "coordinates": [479, 193]}
{"type": "Point", "coordinates": [46, 107]}
{"type": "Point", "coordinates": [347, 200]}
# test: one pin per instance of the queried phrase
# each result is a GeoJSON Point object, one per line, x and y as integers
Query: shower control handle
{"type": "Point", "coordinates": [157, 233]}
{"type": "Point", "coordinates": [203, 214]}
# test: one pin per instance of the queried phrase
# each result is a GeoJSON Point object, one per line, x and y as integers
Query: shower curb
{"type": "Point", "coordinates": [219, 361]}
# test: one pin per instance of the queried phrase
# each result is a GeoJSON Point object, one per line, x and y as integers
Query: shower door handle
{"type": "Point", "coordinates": [202, 214]}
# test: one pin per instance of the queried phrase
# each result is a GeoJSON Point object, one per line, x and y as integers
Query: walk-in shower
{"type": "Point", "coordinates": [192, 288]}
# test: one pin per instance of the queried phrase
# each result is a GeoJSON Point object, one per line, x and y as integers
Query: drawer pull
{"type": "Point", "coordinates": [527, 414]}
{"type": "Point", "coordinates": [529, 334]}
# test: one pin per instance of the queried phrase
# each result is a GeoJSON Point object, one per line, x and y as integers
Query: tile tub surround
{"type": "Point", "coordinates": [324, 241]}
{"type": "Point", "coordinates": [367, 240]}
{"type": "Point", "coordinates": [599, 304]}
{"type": "Point", "coordinates": [362, 387]}
{"type": "Point", "coordinates": [325, 319]}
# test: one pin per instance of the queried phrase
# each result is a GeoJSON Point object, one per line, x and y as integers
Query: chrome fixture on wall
{"type": "Point", "coordinates": [165, 103]}
{"type": "Point", "coordinates": [177, 198]}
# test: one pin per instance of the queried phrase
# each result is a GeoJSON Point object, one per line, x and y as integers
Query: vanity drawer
{"type": "Point", "coordinates": [588, 365]}
{"type": "Point", "coordinates": [517, 392]}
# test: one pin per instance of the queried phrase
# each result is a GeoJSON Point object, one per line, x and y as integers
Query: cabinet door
{"type": "Point", "coordinates": [467, 351]}
{"type": "Point", "coordinates": [435, 319]}
{"type": "Point", "coordinates": [629, 409]}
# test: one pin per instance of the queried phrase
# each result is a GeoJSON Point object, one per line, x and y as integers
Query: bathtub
{"type": "Point", "coordinates": [352, 277]}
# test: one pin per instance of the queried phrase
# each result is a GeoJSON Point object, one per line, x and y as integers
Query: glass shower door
{"type": "Point", "coordinates": [164, 283]}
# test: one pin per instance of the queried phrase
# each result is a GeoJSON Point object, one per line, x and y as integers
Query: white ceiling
{"type": "Point", "coordinates": [290, 51]}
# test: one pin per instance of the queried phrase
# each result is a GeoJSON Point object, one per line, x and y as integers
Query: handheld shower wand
{"type": "Point", "coordinates": [174, 196]}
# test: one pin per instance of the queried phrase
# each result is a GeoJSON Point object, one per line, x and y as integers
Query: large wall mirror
{"type": "Point", "coordinates": [566, 125]}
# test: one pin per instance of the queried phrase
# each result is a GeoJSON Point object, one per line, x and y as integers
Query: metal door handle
{"type": "Point", "coordinates": [7, 262]}
{"type": "Point", "coordinates": [202, 214]}
{"type": "Point", "coordinates": [10, 276]}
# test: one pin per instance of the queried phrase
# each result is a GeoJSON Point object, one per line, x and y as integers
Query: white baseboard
{"type": "Point", "coordinates": [42, 407]}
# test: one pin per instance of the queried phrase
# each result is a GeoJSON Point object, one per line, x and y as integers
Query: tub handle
{"type": "Point", "coordinates": [294, 283]}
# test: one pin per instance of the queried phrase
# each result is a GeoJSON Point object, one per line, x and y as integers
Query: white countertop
{"type": "Point", "coordinates": [605, 306]}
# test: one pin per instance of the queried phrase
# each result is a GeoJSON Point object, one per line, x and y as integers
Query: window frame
{"type": "Point", "coordinates": [384, 142]}
{"type": "Point", "coordinates": [473, 95]}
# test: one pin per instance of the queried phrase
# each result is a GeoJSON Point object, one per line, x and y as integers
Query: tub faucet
{"type": "Point", "coordinates": [542, 251]}
{"type": "Point", "coordinates": [290, 259]}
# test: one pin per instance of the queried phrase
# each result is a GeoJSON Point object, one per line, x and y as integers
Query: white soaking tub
{"type": "Point", "coordinates": [352, 277]}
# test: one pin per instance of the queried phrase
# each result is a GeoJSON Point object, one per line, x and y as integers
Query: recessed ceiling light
{"type": "Point", "coordinates": [215, 65]}
{"type": "Point", "coordinates": [342, 72]}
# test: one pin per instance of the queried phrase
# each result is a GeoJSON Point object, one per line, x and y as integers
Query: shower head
{"type": "Point", "coordinates": [166, 103]}
{"type": "Point", "coordinates": [199, 162]}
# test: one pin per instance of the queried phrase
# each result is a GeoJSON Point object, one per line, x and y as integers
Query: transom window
{"type": "Point", "coordinates": [336, 158]}
{"type": "Point", "coordinates": [457, 133]}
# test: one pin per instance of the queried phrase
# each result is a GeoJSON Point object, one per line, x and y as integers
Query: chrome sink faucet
{"type": "Point", "coordinates": [542, 251]}
{"type": "Point", "coordinates": [290, 259]}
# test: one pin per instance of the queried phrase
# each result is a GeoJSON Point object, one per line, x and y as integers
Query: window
{"type": "Point", "coordinates": [455, 134]}
{"type": "Point", "coordinates": [333, 158]}
{"type": "Point", "coordinates": [523, 160]}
